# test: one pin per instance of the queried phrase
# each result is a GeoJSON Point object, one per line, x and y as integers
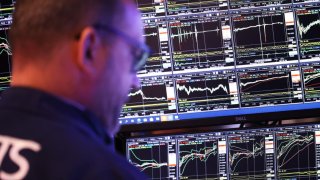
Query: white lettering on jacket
{"type": "Point", "coordinates": [12, 147]}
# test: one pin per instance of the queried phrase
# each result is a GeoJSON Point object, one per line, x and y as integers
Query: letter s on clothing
{"type": "Point", "coordinates": [16, 145]}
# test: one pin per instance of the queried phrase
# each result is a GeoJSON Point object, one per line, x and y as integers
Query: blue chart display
{"type": "Point", "coordinates": [291, 152]}
{"type": "Point", "coordinates": [245, 155]}
{"type": "Point", "coordinates": [5, 60]}
{"type": "Point", "coordinates": [198, 158]}
{"type": "Point", "coordinates": [281, 84]}
{"type": "Point", "coordinates": [308, 23]}
{"type": "Point", "coordinates": [228, 58]}
{"type": "Point", "coordinates": [311, 78]}
{"type": "Point", "coordinates": [151, 159]}
{"type": "Point", "coordinates": [205, 91]}
{"type": "Point", "coordinates": [198, 42]}
{"type": "Point", "coordinates": [6, 8]}
{"type": "Point", "coordinates": [272, 36]}
{"type": "Point", "coordinates": [248, 157]}
{"type": "Point", "coordinates": [156, 158]}
{"type": "Point", "coordinates": [293, 148]}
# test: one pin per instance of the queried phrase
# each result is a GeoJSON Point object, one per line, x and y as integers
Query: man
{"type": "Point", "coordinates": [74, 62]}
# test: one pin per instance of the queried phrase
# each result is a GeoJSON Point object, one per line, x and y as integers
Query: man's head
{"type": "Point", "coordinates": [83, 51]}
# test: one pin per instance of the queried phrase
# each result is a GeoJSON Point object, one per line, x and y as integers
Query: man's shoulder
{"type": "Point", "coordinates": [55, 151]}
{"type": "Point", "coordinates": [53, 140]}
{"type": "Point", "coordinates": [65, 158]}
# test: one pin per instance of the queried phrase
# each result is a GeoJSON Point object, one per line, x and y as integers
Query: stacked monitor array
{"type": "Point", "coordinates": [215, 58]}
{"type": "Point", "coordinates": [291, 152]}
{"type": "Point", "coordinates": [6, 9]}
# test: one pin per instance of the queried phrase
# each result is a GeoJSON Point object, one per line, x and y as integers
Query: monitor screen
{"type": "Point", "coordinates": [291, 152]}
{"type": "Point", "coordinates": [6, 9]}
{"type": "Point", "coordinates": [226, 58]}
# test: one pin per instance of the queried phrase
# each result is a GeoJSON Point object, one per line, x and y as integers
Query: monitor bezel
{"type": "Point", "coordinates": [222, 120]}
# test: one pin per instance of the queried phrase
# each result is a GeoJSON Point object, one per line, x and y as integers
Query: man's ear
{"type": "Point", "coordinates": [88, 46]}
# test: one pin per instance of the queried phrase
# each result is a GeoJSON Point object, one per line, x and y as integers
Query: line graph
{"type": "Point", "coordinates": [183, 35]}
{"type": "Point", "coordinates": [304, 30]}
{"type": "Point", "coordinates": [156, 37]}
{"type": "Point", "coordinates": [263, 86]}
{"type": "Point", "coordinates": [308, 27]}
{"type": "Point", "coordinates": [263, 25]}
{"type": "Point", "coordinates": [190, 89]}
{"type": "Point", "coordinates": [311, 79]}
{"type": "Point", "coordinates": [195, 35]}
{"type": "Point", "coordinates": [259, 28]}
{"type": "Point", "coordinates": [155, 96]}
{"type": "Point", "coordinates": [198, 159]}
{"type": "Point", "coordinates": [271, 37]}
{"type": "Point", "coordinates": [5, 59]}
{"type": "Point", "coordinates": [199, 42]}
{"type": "Point", "coordinates": [152, 38]}
{"type": "Point", "coordinates": [149, 94]}
{"type": "Point", "coordinates": [247, 156]}
{"type": "Point", "coordinates": [140, 92]}
{"type": "Point", "coordinates": [206, 91]}
{"type": "Point", "coordinates": [150, 158]}
{"type": "Point", "coordinates": [4, 46]}
{"type": "Point", "coordinates": [308, 21]}
{"type": "Point", "coordinates": [295, 153]}
{"type": "Point", "coordinates": [150, 35]}
{"type": "Point", "coordinates": [146, 163]}
{"type": "Point", "coordinates": [6, 7]}
{"type": "Point", "coordinates": [260, 81]}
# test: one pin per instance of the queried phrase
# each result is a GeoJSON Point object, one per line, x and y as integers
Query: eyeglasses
{"type": "Point", "coordinates": [139, 51]}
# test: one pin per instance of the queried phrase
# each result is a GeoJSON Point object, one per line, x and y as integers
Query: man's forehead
{"type": "Point", "coordinates": [131, 23]}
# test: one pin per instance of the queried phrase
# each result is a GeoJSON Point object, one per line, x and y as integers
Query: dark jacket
{"type": "Point", "coordinates": [43, 137]}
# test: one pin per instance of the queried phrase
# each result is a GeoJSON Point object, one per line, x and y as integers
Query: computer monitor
{"type": "Point", "coordinates": [288, 152]}
{"type": "Point", "coordinates": [227, 59]}
{"type": "Point", "coordinates": [217, 62]}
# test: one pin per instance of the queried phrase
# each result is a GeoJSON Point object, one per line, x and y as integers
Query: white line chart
{"type": "Point", "coordinates": [311, 77]}
{"type": "Point", "coordinates": [286, 146]}
{"type": "Point", "coordinates": [184, 34]}
{"type": "Point", "coordinates": [263, 80]}
{"type": "Point", "coordinates": [140, 92]}
{"type": "Point", "coordinates": [151, 34]}
{"type": "Point", "coordinates": [202, 154]}
{"type": "Point", "coordinates": [243, 153]}
{"type": "Point", "coordinates": [264, 25]}
{"type": "Point", "coordinates": [145, 164]}
{"type": "Point", "coordinates": [190, 89]}
{"type": "Point", "coordinates": [304, 29]}
{"type": "Point", "coordinates": [4, 46]}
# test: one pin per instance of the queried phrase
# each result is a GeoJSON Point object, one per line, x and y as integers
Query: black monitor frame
{"type": "Point", "coordinates": [222, 120]}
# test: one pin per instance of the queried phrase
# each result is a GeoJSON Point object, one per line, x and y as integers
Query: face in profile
{"type": "Point", "coordinates": [118, 77]}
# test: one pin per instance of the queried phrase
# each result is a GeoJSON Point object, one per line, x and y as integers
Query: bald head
{"type": "Point", "coordinates": [39, 26]}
